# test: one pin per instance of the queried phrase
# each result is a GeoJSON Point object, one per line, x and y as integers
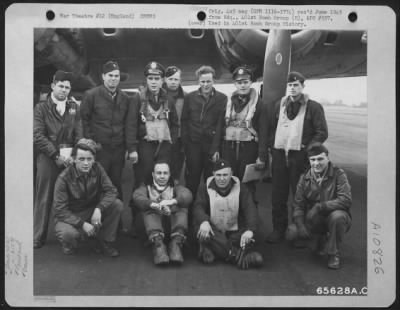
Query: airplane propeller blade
{"type": "Point", "coordinates": [276, 66]}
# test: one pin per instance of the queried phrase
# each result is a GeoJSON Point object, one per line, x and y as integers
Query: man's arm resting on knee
{"type": "Point", "coordinates": [60, 205]}
{"type": "Point", "coordinates": [343, 199]}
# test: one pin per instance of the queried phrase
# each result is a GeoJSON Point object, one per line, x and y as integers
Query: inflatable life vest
{"type": "Point", "coordinates": [289, 133]}
{"type": "Point", "coordinates": [224, 211]}
{"type": "Point", "coordinates": [156, 122]}
{"type": "Point", "coordinates": [238, 125]}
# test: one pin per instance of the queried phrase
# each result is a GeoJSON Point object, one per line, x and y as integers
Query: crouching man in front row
{"type": "Point", "coordinates": [159, 198]}
{"type": "Point", "coordinates": [322, 205]}
{"type": "Point", "coordinates": [85, 202]}
{"type": "Point", "coordinates": [225, 219]}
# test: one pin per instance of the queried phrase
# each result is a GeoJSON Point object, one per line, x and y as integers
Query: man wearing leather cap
{"type": "Point", "coordinates": [162, 199]}
{"type": "Point", "coordinates": [240, 146]}
{"type": "Point", "coordinates": [202, 127]}
{"type": "Point", "coordinates": [296, 123]}
{"type": "Point", "coordinates": [175, 92]}
{"type": "Point", "coordinates": [109, 118]}
{"type": "Point", "coordinates": [225, 219]}
{"type": "Point", "coordinates": [321, 206]}
{"type": "Point", "coordinates": [86, 203]}
{"type": "Point", "coordinates": [57, 127]}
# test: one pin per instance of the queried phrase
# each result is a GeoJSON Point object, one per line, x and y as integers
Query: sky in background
{"type": "Point", "coordinates": [352, 90]}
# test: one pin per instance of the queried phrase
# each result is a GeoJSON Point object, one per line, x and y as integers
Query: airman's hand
{"type": "Point", "coordinates": [89, 229]}
{"type": "Point", "coordinates": [134, 157]}
{"type": "Point", "coordinates": [205, 231]}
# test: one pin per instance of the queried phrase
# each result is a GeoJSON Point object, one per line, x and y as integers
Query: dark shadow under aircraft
{"type": "Point", "coordinates": [271, 54]}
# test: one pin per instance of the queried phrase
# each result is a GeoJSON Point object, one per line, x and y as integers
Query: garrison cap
{"type": "Point", "coordinates": [110, 66]}
{"type": "Point", "coordinates": [316, 148]}
{"type": "Point", "coordinates": [87, 144]}
{"type": "Point", "coordinates": [221, 164]}
{"type": "Point", "coordinates": [62, 76]}
{"type": "Point", "coordinates": [154, 68]}
{"type": "Point", "coordinates": [171, 70]}
{"type": "Point", "coordinates": [295, 76]}
{"type": "Point", "coordinates": [242, 73]}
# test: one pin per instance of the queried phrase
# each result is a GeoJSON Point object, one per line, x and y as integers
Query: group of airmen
{"type": "Point", "coordinates": [82, 149]}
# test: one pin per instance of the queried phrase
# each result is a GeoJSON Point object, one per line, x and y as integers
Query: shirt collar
{"type": "Point", "coordinates": [303, 99]}
{"type": "Point", "coordinates": [114, 94]}
{"type": "Point", "coordinates": [201, 94]}
{"type": "Point", "coordinates": [56, 101]}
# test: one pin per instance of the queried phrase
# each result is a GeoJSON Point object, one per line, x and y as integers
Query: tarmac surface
{"type": "Point", "coordinates": [287, 271]}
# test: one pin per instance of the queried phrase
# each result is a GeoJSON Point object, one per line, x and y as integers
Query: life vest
{"type": "Point", "coordinates": [224, 211]}
{"type": "Point", "coordinates": [156, 122]}
{"type": "Point", "coordinates": [289, 133]}
{"type": "Point", "coordinates": [158, 196]}
{"type": "Point", "coordinates": [239, 125]}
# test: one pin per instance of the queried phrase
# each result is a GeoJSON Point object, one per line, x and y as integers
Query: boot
{"type": "Point", "coordinates": [252, 259]}
{"type": "Point", "coordinates": [68, 249]}
{"type": "Point", "coordinates": [159, 251]}
{"type": "Point", "coordinates": [175, 248]}
{"type": "Point", "coordinates": [245, 258]}
{"type": "Point", "coordinates": [334, 261]}
{"type": "Point", "coordinates": [107, 248]}
{"type": "Point", "coordinates": [205, 254]}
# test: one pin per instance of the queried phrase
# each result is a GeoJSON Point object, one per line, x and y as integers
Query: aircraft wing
{"type": "Point", "coordinates": [315, 53]}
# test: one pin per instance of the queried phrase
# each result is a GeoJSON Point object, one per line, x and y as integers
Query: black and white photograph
{"type": "Point", "coordinates": [233, 155]}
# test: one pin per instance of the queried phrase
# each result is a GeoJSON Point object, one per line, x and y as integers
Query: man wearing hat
{"type": "Point", "coordinates": [160, 199]}
{"type": "Point", "coordinates": [240, 146]}
{"type": "Point", "coordinates": [109, 118]}
{"type": "Point", "coordinates": [322, 205]}
{"type": "Point", "coordinates": [202, 127]}
{"type": "Point", "coordinates": [158, 123]}
{"type": "Point", "coordinates": [57, 127]}
{"type": "Point", "coordinates": [176, 94]}
{"type": "Point", "coordinates": [86, 203]}
{"type": "Point", "coordinates": [225, 219]}
{"type": "Point", "coordinates": [297, 121]}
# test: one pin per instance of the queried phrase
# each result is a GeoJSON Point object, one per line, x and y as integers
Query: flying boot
{"type": "Point", "coordinates": [160, 255]}
{"type": "Point", "coordinates": [175, 247]}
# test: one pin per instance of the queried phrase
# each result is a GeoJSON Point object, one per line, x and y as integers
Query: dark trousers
{"type": "Point", "coordinates": [71, 235]}
{"type": "Point", "coordinates": [147, 157]}
{"type": "Point", "coordinates": [248, 153]}
{"type": "Point", "coordinates": [222, 242]}
{"type": "Point", "coordinates": [336, 224]}
{"type": "Point", "coordinates": [178, 158]}
{"type": "Point", "coordinates": [285, 175]}
{"type": "Point", "coordinates": [112, 158]}
{"type": "Point", "coordinates": [198, 161]}
{"type": "Point", "coordinates": [153, 222]}
{"type": "Point", "coordinates": [46, 175]}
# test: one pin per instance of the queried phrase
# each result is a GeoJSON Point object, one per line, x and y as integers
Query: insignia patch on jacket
{"type": "Point", "coordinates": [72, 111]}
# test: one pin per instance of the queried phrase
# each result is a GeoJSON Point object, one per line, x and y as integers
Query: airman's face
{"type": "Point", "coordinates": [154, 82]}
{"type": "Point", "coordinates": [243, 86]}
{"type": "Point", "coordinates": [206, 82]}
{"type": "Point", "coordinates": [173, 81]}
{"type": "Point", "coordinates": [61, 89]}
{"type": "Point", "coordinates": [319, 162]}
{"type": "Point", "coordinates": [111, 79]}
{"type": "Point", "coordinates": [161, 174]}
{"type": "Point", "coordinates": [223, 177]}
{"type": "Point", "coordinates": [294, 89]}
{"type": "Point", "coordinates": [84, 160]}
